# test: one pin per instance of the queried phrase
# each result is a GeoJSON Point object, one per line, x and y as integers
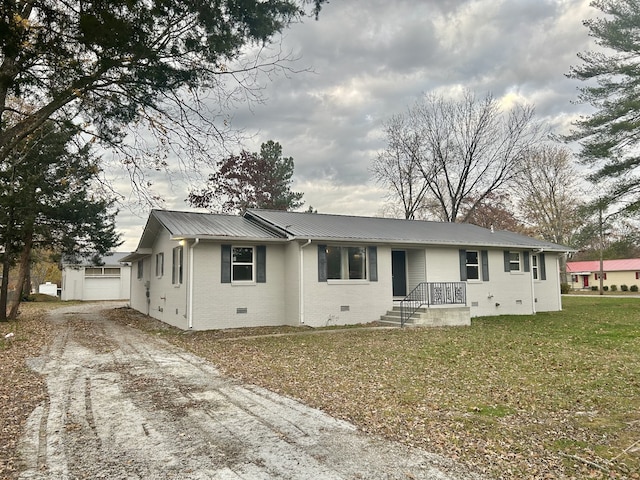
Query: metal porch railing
{"type": "Point", "coordinates": [432, 293]}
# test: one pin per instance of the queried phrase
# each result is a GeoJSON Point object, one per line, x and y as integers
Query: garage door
{"type": "Point", "coordinates": [102, 288]}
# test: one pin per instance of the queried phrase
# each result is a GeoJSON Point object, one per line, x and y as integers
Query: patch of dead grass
{"type": "Point", "coordinates": [555, 395]}
{"type": "Point", "coordinates": [21, 389]}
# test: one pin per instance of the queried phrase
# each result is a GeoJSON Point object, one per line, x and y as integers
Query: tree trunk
{"type": "Point", "coordinates": [4, 288]}
{"type": "Point", "coordinates": [25, 258]}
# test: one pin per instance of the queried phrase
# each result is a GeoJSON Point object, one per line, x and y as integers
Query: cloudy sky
{"type": "Point", "coordinates": [370, 59]}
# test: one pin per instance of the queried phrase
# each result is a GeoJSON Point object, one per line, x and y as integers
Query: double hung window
{"type": "Point", "coordinates": [242, 264]}
{"type": "Point", "coordinates": [514, 262]}
{"type": "Point", "coordinates": [473, 265]}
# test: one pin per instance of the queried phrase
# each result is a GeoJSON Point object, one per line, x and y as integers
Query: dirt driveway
{"type": "Point", "coordinates": [123, 404]}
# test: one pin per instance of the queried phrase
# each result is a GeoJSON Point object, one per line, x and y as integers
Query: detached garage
{"type": "Point", "coordinates": [108, 281]}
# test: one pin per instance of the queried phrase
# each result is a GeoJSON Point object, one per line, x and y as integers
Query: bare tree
{"type": "Point", "coordinates": [397, 168]}
{"type": "Point", "coordinates": [549, 193]}
{"type": "Point", "coordinates": [467, 149]}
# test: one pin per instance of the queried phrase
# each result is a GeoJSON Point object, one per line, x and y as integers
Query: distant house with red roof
{"type": "Point", "coordinates": [615, 272]}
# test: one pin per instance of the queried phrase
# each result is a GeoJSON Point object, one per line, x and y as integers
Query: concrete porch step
{"type": "Point", "coordinates": [430, 317]}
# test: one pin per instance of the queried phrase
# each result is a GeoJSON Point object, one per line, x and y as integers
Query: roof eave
{"type": "Point", "coordinates": [227, 238]}
{"type": "Point", "coordinates": [417, 243]}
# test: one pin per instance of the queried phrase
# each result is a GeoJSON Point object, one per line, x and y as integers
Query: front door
{"type": "Point", "coordinates": [399, 273]}
{"type": "Point", "coordinates": [585, 281]}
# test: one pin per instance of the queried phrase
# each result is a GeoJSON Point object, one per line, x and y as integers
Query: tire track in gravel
{"type": "Point", "coordinates": [125, 404]}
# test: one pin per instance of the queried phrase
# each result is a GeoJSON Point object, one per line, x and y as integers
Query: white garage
{"type": "Point", "coordinates": [108, 281]}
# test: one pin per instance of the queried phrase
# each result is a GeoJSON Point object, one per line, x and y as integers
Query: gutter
{"type": "Point", "coordinates": [301, 281]}
{"type": "Point", "coordinates": [190, 289]}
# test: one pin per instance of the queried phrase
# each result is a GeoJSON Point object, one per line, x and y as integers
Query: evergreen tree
{"type": "Point", "coordinates": [169, 66]}
{"type": "Point", "coordinates": [48, 201]}
{"type": "Point", "coordinates": [609, 137]}
{"type": "Point", "coordinates": [250, 180]}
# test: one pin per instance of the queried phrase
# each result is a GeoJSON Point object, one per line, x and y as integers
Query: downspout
{"type": "Point", "coordinates": [190, 300]}
{"type": "Point", "coordinates": [301, 281]}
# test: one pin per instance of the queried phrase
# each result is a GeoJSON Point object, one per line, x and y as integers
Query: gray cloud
{"type": "Point", "coordinates": [372, 59]}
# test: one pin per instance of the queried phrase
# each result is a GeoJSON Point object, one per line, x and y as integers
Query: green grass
{"type": "Point", "coordinates": [555, 395]}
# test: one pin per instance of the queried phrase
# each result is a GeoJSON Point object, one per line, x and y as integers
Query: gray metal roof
{"type": "Point", "coordinates": [393, 231]}
{"type": "Point", "coordinates": [109, 259]}
{"type": "Point", "coordinates": [207, 225]}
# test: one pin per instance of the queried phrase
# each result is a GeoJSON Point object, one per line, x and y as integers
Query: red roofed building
{"type": "Point", "coordinates": [615, 272]}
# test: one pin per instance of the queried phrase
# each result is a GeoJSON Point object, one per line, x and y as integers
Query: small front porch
{"type": "Point", "coordinates": [450, 316]}
{"type": "Point", "coordinates": [432, 304]}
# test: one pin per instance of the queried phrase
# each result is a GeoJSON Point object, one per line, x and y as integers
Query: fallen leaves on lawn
{"type": "Point", "coordinates": [21, 389]}
{"type": "Point", "coordinates": [551, 396]}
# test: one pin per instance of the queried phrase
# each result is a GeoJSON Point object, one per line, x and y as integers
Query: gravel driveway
{"type": "Point", "coordinates": [124, 404]}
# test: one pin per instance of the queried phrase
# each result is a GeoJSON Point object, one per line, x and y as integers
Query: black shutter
{"type": "Point", "coordinates": [261, 264]}
{"type": "Point", "coordinates": [542, 267]}
{"type": "Point", "coordinates": [526, 261]}
{"type": "Point", "coordinates": [507, 261]}
{"type": "Point", "coordinates": [322, 263]}
{"type": "Point", "coordinates": [485, 265]}
{"type": "Point", "coordinates": [463, 265]}
{"type": "Point", "coordinates": [373, 263]}
{"type": "Point", "coordinates": [225, 267]}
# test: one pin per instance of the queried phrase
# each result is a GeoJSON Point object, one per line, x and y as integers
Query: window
{"type": "Point", "coordinates": [473, 265]}
{"type": "Point", "coordinates": [176, 271]}
{"type": "Point", "coordinates": [159, 264]}
{"type": "Point", "coordinates": [514, 261]}
{"type": "Point", "coordinates": [604, 276]}
{"type": "Point", "coordinates": [534, 267]}
{"type": "Point", "coordinates": [242, 264]}
{"type": "Point", "coordinates": [140, 269]}
{"type": "Point", "coordinates": [102, 271]}
{"type": "Point", "coordinates": [346, 263]}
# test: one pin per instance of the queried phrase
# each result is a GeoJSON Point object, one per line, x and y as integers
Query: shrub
{"type": "Point", "coordinates": [633, 288]}
{"type": "Point", "coordinates": [565, 288]}
{"type": "Point", "coordinates": [614, 288]}
{"type": "Point", "coordinates": [594, 288]}
{"type": "Point", "coordinates": [605, 288]}
{"type": "Point", "coordinates": [624, 288]}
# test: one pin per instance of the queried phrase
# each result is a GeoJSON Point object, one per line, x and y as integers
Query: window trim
{"type": "Point", "coordinates": [177, 265]}
{"type": "Point", "coordinates": [535, 272]}
{"type": "Point", "coordinates": [160, 264]}
{"type": "Point", "coordinates": [102, 272]}
{"type": "Point", "coordinates": [252, 263]}
{"type": "Point", "coordinates": [513, 262]}
{"type": "Point", "coordinates": [345, 256]}
{"type": "Point", "coordinates": [477, 265]}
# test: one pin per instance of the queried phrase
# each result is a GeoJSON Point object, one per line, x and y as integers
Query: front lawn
{"type": "Point", "coordinates": [555, 395]}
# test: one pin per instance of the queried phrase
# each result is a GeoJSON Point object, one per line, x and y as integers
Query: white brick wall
{"type": "Point", "coordinates": [277, 302]}
{"type": "Point", "coordinates": [325, 303]}
{"type": "Point", "coordinates": [234, 305]}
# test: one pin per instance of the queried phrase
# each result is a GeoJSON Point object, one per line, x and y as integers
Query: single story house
{"type": "Point", "coordinates": [586, 274]}
{"type": "Point", "coordinates": [205, 271]}
{"type": "Point", "coordinates": [108, 280]}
